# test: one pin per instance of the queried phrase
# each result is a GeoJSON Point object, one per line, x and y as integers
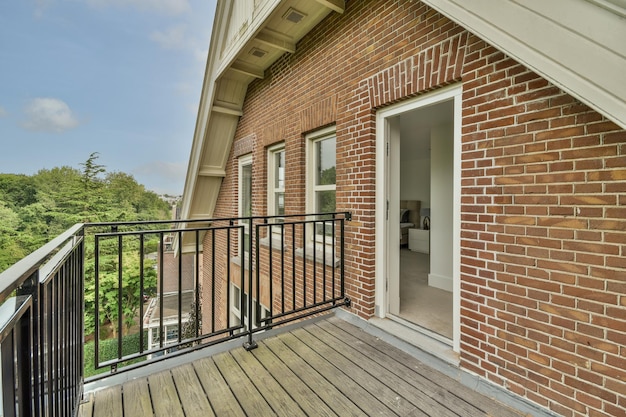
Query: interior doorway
{"type": "Point", "coordinates": [419, 240]}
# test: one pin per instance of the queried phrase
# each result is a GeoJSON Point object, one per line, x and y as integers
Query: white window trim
{"type": "Point", "coordinates": [314, 242]}
{"type": "Point", "coordinates": [271, 177]}
{"type": "Point", "coordinates": [311, 188]}
{"type": "Point", "coordinates": [243, 161]}
{"type": "Point", "coordinates": [271, 194]}
{"type": "Point", "coordinates": [236, 313]}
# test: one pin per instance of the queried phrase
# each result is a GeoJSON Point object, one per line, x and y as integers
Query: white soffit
{"type": "Point", "coordinates": [248, 36]}
{"type": "Point", "coordinates": [578, 45]}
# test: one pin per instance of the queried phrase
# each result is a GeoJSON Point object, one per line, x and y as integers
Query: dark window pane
{"type": "Point", "coordinates": [325, 154]}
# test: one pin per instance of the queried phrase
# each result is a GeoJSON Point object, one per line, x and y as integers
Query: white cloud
{"type": "Point", "coordinates": [3, 112]}
{"type": "Point", "coordinates": [172, 38]}
{"type": "Point", "coordinates": [170, 7]}
{"type": "Point", "coordinates": [49, 115]}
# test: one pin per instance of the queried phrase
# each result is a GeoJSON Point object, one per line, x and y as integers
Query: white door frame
{"type": "Point", "coordinates": [384, 232]}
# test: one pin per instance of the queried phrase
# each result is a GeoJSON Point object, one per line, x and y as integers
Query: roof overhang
{"type": "Point", "coordinates": [578, 45]}
{"type": "Point", "coordinates": [245, 42]}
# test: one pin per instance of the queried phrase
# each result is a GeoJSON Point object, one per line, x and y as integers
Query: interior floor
{"type": "Point", "coordinates": [421, 304]}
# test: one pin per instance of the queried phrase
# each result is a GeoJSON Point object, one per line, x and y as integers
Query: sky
{"type": "Point", "coordinates": [119, 77]}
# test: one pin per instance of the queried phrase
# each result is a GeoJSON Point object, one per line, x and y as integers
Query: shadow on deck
{"type": "Point", "coordinates": [326, 368]}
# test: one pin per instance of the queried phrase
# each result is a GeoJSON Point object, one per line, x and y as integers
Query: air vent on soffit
{"type": "Point", "coordinates": [293, 15]}
{"type": "Point", "coordinates": [257, 52]}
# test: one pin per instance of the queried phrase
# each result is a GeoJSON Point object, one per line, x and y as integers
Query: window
{"type": "Point", "coordinates": [239, 311]}
{"type": "Point", "coordinates": [276, 186]}
{"type": "Point", "coordinates": [245, 196]}
{"type": "Point", "coordinates": [276, 180]}
{"type": "Point", "coordinates": [321, 171]}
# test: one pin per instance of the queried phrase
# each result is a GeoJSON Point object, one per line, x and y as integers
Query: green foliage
{"type": "Point", "coordinates": [109, 287]}
{"type": "Point", "coordinates": [35, 209]}
{"type": "Point", "coordinates": [108, 351]}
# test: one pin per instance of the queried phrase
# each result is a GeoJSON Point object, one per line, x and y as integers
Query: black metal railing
{"type": "Point", "coordinates": [109, 297]}
{"type": "Point", "coordinates": [41, 330]}
{"type": "Point", "coordinates": [258, 272]}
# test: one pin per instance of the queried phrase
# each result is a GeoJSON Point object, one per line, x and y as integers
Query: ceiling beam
{"type": "Point", "coordinates": [274, 39]}
{"type": "Point", "coordinates": [247, 69]}
{"type": "Point", "coordinates": [226, 110]}
{"type": "Point", "coordinates": [337, 5]}
{"type": "Point", "coordinates": [211, 171]}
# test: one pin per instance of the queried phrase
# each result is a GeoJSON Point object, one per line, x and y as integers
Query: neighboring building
{"type": "Point", "coordinates": [174, 286]}
{"type": "Point", "coordinates": [505, 119]}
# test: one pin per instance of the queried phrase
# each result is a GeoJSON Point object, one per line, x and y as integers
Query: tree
{"type": "Point", "coordinates": [35, 209]}
{"type": "Point", "coordinates": [9, 247]}
{"type": "Point", "coordinates": [90, 172]}
{"type": "Point", "coordinates": [108, 287]}
{"type": "Point", "coordinates": [17, 190]}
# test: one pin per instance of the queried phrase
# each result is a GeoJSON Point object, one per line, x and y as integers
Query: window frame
{"type": "Point", "coordinates": [240, 316]}
{"type": "Point", "coordinates": [311, 188]}
{"type": "Point", "coordinates": [272, 189]}
{"type": "Point", "coordinates": [244, 161]}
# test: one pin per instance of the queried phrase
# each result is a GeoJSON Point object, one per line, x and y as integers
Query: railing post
{"type": "Point", "coordinates": [28, 342]}
{"type": "Point", "coordinates": [251, 344]}
{"type": "Point", "coordinates": [347, 217]}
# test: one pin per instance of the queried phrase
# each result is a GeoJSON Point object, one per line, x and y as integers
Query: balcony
{"type": "Point", "coordinates": [226, 317]}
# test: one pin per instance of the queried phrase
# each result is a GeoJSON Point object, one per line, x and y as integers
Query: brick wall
{"type": "Point", "coordinates": [544, 240]}
{"type": "Point", "coordinates": [543, 244]}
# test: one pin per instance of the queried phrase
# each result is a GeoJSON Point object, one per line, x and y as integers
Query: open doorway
{"type": "Point", "coordinates": [426, 182]}
{"type": "Point", "coordinates": [421, 191]}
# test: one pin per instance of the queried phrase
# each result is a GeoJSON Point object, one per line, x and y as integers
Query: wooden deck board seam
{"type": "Point", "coordinates": [407, 375]}
{"type": "Point", "coordinates": [338, 374]}
{"type": "Point", "coordinates": [290, 380]}
{"type": "Point", "coordinates": [465, 394]}
{"type": "Point", "coordinates": [369, 382]}
{"type": "Point", "coordinates": [395, 381]}
{"type": "Point", "coordinates": [195, 371]}
{"type": "Point", "coordinates": [330, 394]}
{"type": "Point", "coordinates": [263, 389]}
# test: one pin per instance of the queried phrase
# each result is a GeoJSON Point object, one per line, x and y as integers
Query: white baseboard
{"type": "Point", "coordinates": [440, 281]}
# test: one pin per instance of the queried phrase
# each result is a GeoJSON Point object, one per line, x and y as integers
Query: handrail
{"type": "Point", "coordinates": [258, 272]}
{"type": "Point", "coordinates": [41, 305]}
{"type": "Point", "coordinates": [232, 303]}
{"type": "Point", "coordinates": [16, 274]}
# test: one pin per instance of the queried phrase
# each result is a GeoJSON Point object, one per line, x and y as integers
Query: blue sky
{"type": "Point", "coordinates": [118, 77]}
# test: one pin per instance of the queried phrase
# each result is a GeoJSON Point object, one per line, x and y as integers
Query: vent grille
{"type": "Point", "coordinates": [293, 15]}
{"type": "Point", "coordinates": [257, 52]}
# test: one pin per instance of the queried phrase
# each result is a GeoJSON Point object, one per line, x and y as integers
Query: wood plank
{"type": "Point", "coordinates": [397, 381]}
{"type": "Point", "coordinates": [278, 399]}
{"type": "Point", "coordinates": [219, 394]}
{"type": "Point", "coordinates": [297, 389]}
{"type": "Point", "coordinates": [108, 402]}
{"type": "Point", "coordinates": [364, 399]}
{"type": "Point", "coordinates": [246, 393]}
{"type": "Point", "coordinates": [424, 378]}
{"type": "Point", "coordinates": [376, 385]}
{"type": "Point", "coordinates": [316, 382]}
{"type": "Point", "coordinates": [86, 407]}
{"type": "Point", "coordinates": [165, 399]}
{"type": "Point", "coordinates": [137, 400]}
{"type": "Point", "coordinates": [406, 373]}
{"type": "Point", "coordinates": [436, 379]}
{"type": "Point", "coordinates": [192, 396]}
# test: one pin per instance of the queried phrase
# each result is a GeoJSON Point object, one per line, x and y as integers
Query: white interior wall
{"type": "Point", "coordinates": [415, 179]}
{"type": "Point", "coordinates": [441, 205]}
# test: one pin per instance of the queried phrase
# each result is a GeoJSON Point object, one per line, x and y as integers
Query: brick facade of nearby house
{"type": "Point", "coordinates": [543, 193]}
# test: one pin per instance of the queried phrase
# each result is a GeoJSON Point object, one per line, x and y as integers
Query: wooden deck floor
{"type": "Point", "coordinates": [329, 368]}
